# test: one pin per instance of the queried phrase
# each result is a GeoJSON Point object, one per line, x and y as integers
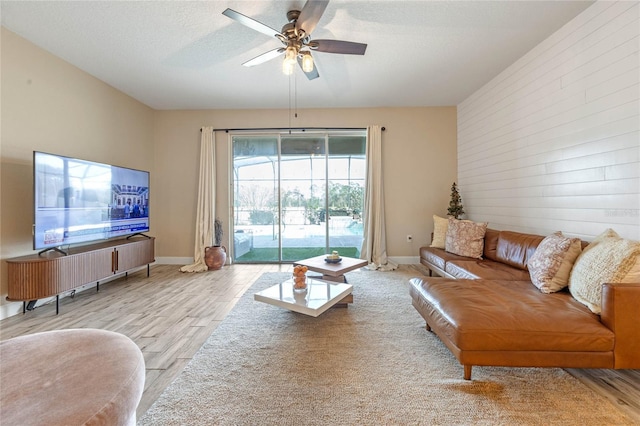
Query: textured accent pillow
{"type": "Point", "coordinates": [608, 259]}
{"type": "Point", "coordinates": [633, 276]}
{"type": "Point", "coordinates": [551, 264]}
{"type": "Point", "coordinates": [440, 225]}
{"type": "Point", "coordinates": [608, 233]}
{"type": "Point", "coordinates": [465, 238]}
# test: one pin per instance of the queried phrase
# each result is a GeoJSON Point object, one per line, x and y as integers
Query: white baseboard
{"type": "Point", "coordinates": [174, 260]}
{"type": "Point", "coordinates": [405, 260]}
{"type": "Point", "coordinates": [10, 309]}
{"type": "Point", "coordinates": [15, 308]}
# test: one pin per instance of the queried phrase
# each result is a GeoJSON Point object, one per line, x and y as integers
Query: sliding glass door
{"type": "Point", "coordinates": [303, 176]}
{"type": "Point", "coordinates": [256, 229]}
{"type": "Point", "coordinates": [297, 195]}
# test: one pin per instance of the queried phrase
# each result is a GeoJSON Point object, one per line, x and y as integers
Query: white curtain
{"type": "Point", "coordinates": [374, 246]}
{"type": "Point", "coordinates": [206, 210]}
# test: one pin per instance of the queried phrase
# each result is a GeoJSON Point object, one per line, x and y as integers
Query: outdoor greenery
{"type": "Point", "coordinates": [293, 253]}
{"type": "Point", "coordinates": [261, 217]}
{"type": "Point", "coordinates": [344, 200]}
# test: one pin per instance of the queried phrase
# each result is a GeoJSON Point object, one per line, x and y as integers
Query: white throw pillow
{"type": "Point", "coordinates": [608, 259]}
{"type": "Point", "coordinates": [551, 264]}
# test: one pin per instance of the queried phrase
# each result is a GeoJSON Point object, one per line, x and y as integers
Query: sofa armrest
{"type": "Point", "coordinates": [620, 303]}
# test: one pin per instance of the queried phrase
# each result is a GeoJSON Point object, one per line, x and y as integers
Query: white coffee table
{"type": "Point", "coordinates": [332, 271]}
{"type": "Point", "coordinates": [319, 297]}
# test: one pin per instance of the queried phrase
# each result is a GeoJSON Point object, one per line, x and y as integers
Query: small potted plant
{"type": "Point", "coordinates": [216, 256]}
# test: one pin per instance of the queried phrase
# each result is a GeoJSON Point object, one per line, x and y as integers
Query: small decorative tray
{"type": "Point", "coordinates": [338, 260]}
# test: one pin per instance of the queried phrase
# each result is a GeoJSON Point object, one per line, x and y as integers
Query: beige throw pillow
{"type": "Point", "coordinates": [633, 276]}
{"type": "Point", "coordinates": [465, 238]}
{"type": "Point", "coordinates": [608, 233]}
{"type": "Point", "coordinates": [551, 264]}
{"type": "Point", "coordinates": [440, 225]}
{"type": "Point", "coordinates": [608, 259]}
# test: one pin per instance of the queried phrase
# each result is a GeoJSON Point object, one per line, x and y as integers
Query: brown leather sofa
{"type": "Point", "coordinates": [487, 312]}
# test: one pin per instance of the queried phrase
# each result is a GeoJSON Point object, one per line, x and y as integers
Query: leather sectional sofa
{"type": "Point", "coordinates": [488, 312]}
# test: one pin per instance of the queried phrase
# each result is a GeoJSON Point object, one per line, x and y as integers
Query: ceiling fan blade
{"type": "Point", "coordinates": [338, 46]}
{"type": "Point", "coordinates": [310, 15]}
{"type": "Point", "coordinates": [313, 74]}
{"type": "Point", "coordinates": [251, 23]}
{"type": "Point", "coordinates": [264, 57]}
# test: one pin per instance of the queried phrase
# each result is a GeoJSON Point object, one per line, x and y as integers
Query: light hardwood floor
{"type": "Point", "coordinates": [171, 314]}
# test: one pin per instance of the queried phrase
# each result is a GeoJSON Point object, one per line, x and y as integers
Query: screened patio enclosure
{"type": "Point", "coordinates": [297, 195]}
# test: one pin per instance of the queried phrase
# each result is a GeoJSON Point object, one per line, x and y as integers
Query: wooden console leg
{"type": "Point", "coordinates": [428, 327]}
{"type": "Point", "coordinates": [467, 371]}
{"type": "Point", "coordinates": [430, 273]}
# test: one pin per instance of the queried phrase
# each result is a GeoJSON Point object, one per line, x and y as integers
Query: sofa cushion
{"type": "Point", "coordinates": [465, 238]}
{"type": "Point", "coordinates": [480, 315]}
{"type": "Point", "coordinates": [478, 269]}
{"type": "Point", "coordinates": [552, 261]}
{"type": "Point", "coordinates": [608, 259]}
{"type": "Point", "coordinates": [515, 248]}
{"type": "Point", "coordinates": [491, 244]}
{"type": "Point", "coordinates": [437, 256]}
{"type": "Point", "coordinates": [440, 225]}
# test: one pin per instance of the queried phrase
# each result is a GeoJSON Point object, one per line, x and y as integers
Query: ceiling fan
{"type": "Point", "coordinates": [296, 39]}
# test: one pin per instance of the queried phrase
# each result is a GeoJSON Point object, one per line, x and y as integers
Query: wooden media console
{"type": "Point", "coordinates": [49, 274]}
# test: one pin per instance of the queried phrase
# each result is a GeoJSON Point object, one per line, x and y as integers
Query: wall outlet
{"type": "Point", "coordinates": [409, 238]}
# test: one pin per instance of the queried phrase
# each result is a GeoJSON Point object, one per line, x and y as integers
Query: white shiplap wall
{"type": "Point", "coordinates": [553, 142]}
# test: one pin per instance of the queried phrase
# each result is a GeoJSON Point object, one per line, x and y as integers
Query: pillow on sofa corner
{"type": "Point", "coordinates": [465, 238]}
{"type": "Point", "coordinates": [608, 259]}
{"type": "Point", "coordinates": [440, 226]}
{"type": "Point", "coordinates": [551, 263]}
{"type": "Point", "coordinates": [605, 235]}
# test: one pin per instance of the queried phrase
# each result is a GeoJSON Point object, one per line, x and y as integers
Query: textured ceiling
{"type": "Point", "coordinates": [187, 55]}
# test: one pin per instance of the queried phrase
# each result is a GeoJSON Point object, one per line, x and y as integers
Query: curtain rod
{"type": "Point", "coordinates": [303, 129]}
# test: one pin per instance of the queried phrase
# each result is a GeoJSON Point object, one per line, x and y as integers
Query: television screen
{"type": "Point", "coordinates": [77, 201]}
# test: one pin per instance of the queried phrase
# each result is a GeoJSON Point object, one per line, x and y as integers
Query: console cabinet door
{"type": "Point", "coordinates": [133, 255]}
{"type": "Point", "coordinates": [100, 264]}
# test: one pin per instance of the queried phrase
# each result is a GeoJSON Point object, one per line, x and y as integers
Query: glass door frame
{"type": "Point", "coordinates": [325, 135]}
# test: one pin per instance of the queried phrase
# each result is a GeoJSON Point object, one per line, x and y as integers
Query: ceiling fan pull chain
{"type": "Point", "coordinates": [289, 103]}
{"type": "Point", "coordinates": [295, 94]}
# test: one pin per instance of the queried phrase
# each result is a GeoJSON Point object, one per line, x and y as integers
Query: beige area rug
{"type": "Point", "coordinates": [370, 364]}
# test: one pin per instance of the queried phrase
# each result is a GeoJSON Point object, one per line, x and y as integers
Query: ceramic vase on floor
{"type": "Point", "coordinates": [215, 257]}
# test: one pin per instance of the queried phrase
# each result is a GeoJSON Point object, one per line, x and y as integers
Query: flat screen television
{"type": "Point", "coordinates": [77, 201]}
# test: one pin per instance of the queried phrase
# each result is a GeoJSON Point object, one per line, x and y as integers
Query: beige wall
{"type": "Point", "coordinates": [553, 142]}
{"type": "Point", "coordinates": [49, 105]}
{"type": "Point", "coordinates": [419, 151]}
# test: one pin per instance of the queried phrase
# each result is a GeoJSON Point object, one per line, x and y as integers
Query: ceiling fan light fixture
{"type": "Point", "coordinates": [289, 60]}
{"type": "Point", "coordinates": [307, 62]}
{"type": "Point", "coordinates": [296, 38]}
{"type": "Point", "coordinates": [287, 67]}
{"type": "Point", "coordinates": [290, 54]}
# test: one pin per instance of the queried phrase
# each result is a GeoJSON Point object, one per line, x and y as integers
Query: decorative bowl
{"type": "Point", "coordinates": [338, 260]}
